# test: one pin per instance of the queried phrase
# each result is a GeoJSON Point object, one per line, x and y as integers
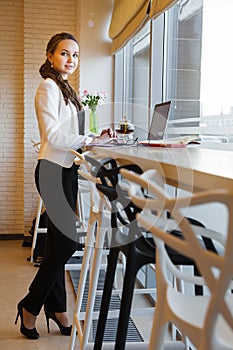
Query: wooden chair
{"type": "Point", "coordinates": [92, 263]}
{"type": "Point", "coordinates": [206, 320]}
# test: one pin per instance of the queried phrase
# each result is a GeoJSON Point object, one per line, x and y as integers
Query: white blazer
{"type": "Point", "coordinates": [58, 125]}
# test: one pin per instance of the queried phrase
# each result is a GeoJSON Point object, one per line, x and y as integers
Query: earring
{"type": "Point", "coordinates": [51, 65]}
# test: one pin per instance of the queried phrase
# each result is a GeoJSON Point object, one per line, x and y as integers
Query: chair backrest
{"type": "Point", "coordinates": [79, 157]}
{"type": "Point", "coordinates": [216, 268]}
{"type": "Point", "coordinates": [96, 203]}
{"type": "Point", "coordinates": [36, 145]}
{"type": "Point", "coordinates": [123, 211]}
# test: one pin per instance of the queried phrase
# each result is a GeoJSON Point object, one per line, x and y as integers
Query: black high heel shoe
{"type": "Point", "coordinates": [63, 329]}
{"type": "Point", "coordinates": [29, 333]}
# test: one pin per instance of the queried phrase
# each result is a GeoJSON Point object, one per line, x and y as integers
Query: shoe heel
{"type": "Point", "coordinates": [17, 317]}
{"type": "Point", "coordinates": [63, 329]}
{"type": "Point", "coordinates": [47, 321]}
{"type": "Point", "coordinates": [29, 333]}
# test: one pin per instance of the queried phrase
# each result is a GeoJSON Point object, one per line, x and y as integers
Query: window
{"type": "Point", "coordinates": [132, 84]}
{"type": "Point", "coordinates": [217, 68]}
{"type": "Point", "coordinates": [184, 55]}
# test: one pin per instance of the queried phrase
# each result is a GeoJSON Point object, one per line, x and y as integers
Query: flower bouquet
{"type": "Point", "coordinates": [92, 100]}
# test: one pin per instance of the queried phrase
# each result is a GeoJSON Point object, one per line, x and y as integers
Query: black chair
{"type": "Point", "coordinates": [138, 249]}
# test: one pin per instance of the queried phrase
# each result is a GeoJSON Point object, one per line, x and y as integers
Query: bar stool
{"type": "Point", "coordinates": [97, 236]}
{"type": "Point", "coordinates": [206, 320]}
{"type": "Point", "coordinates": [136, 246]}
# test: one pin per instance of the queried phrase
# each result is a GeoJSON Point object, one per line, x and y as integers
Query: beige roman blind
{"type": "Point", "coordinates": [128, 18]}
{"type": "Point", "coordinates": [159, 6]}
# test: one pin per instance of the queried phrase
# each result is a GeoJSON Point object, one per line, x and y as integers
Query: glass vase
{"type": "Point", "coordinates": [93, 121]}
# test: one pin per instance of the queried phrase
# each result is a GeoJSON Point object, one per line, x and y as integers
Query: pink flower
{"type": "Point", "coordinates": [93, 99]}
{"type": "Point", "coordinates": [103, 94]}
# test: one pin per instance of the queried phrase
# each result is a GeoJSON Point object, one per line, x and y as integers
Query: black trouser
{"type": "Point", "coordinates": [58, 188]}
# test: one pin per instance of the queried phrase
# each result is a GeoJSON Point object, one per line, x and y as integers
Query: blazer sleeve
{"type": "Point", "coordinates": [57, 122]}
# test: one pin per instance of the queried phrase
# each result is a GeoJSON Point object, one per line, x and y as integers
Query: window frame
{"type": "Point", "coordinates": [157, 88]}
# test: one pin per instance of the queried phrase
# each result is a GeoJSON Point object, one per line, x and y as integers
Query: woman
{"type": "Point", "coordinates": [57, 109]}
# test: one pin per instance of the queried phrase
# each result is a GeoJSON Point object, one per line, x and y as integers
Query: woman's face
{"type": "Point", "coordinates": [65, 57]}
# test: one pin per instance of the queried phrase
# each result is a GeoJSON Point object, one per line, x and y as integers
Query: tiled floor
{"type": "Point", "coordinates": [16, 274]}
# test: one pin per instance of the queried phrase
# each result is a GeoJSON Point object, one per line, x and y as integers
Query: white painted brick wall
{"type": "Point", "coordinates": [11, 117]}
{"type": "Point", "coordinates": [25, 28]}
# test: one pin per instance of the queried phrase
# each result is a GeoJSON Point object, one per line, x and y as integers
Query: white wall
{"type": "Point", "coordinates": [96, 63]}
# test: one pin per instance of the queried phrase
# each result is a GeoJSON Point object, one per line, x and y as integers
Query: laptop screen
{"type": "Point", "coordinates": [159, 121]}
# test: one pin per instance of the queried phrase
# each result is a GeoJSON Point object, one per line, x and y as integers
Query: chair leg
{"type": "Point", "coordinates": [93, 281]}
{"type": "Point", "coordinates": [157, 341]}
{"type": "Point", "coordinates": [35, 233]}
{"type": "Point", "coordinates": [134, 262]}
{"type": "Point", "coordinates": [106, 297]}
{"type": "Point", "coordinates": [81, 213]}
{"type": "Point", "coordinates": [95, 266]}
{"type": "Point", "coordinates": [159, 325]}
{"type": "Point", "coordinates": [82, 281]}
{"type": "Point", "coordinates": [126, 302]}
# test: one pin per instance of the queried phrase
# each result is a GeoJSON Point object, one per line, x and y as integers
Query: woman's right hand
{"type": "Point", "coordinates": [105, 135]}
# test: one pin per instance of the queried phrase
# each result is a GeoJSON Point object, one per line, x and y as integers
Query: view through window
{"type": "Point", "coordinates": [184, 55]}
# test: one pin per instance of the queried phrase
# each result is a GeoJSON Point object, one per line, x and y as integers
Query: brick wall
{"type": "Point", "coordinates": [25, 28]}
{"type": "Point", "coordinates": [11, 117]}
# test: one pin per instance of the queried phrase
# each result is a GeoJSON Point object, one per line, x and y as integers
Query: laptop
{"type": "Point", "coordinates": [156, 131]}
{"type": "Point", "coordinates": [158, 123]}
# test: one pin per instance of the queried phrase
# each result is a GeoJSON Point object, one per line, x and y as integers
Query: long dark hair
{"type": "Point", "coordinates": [47, 71]}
